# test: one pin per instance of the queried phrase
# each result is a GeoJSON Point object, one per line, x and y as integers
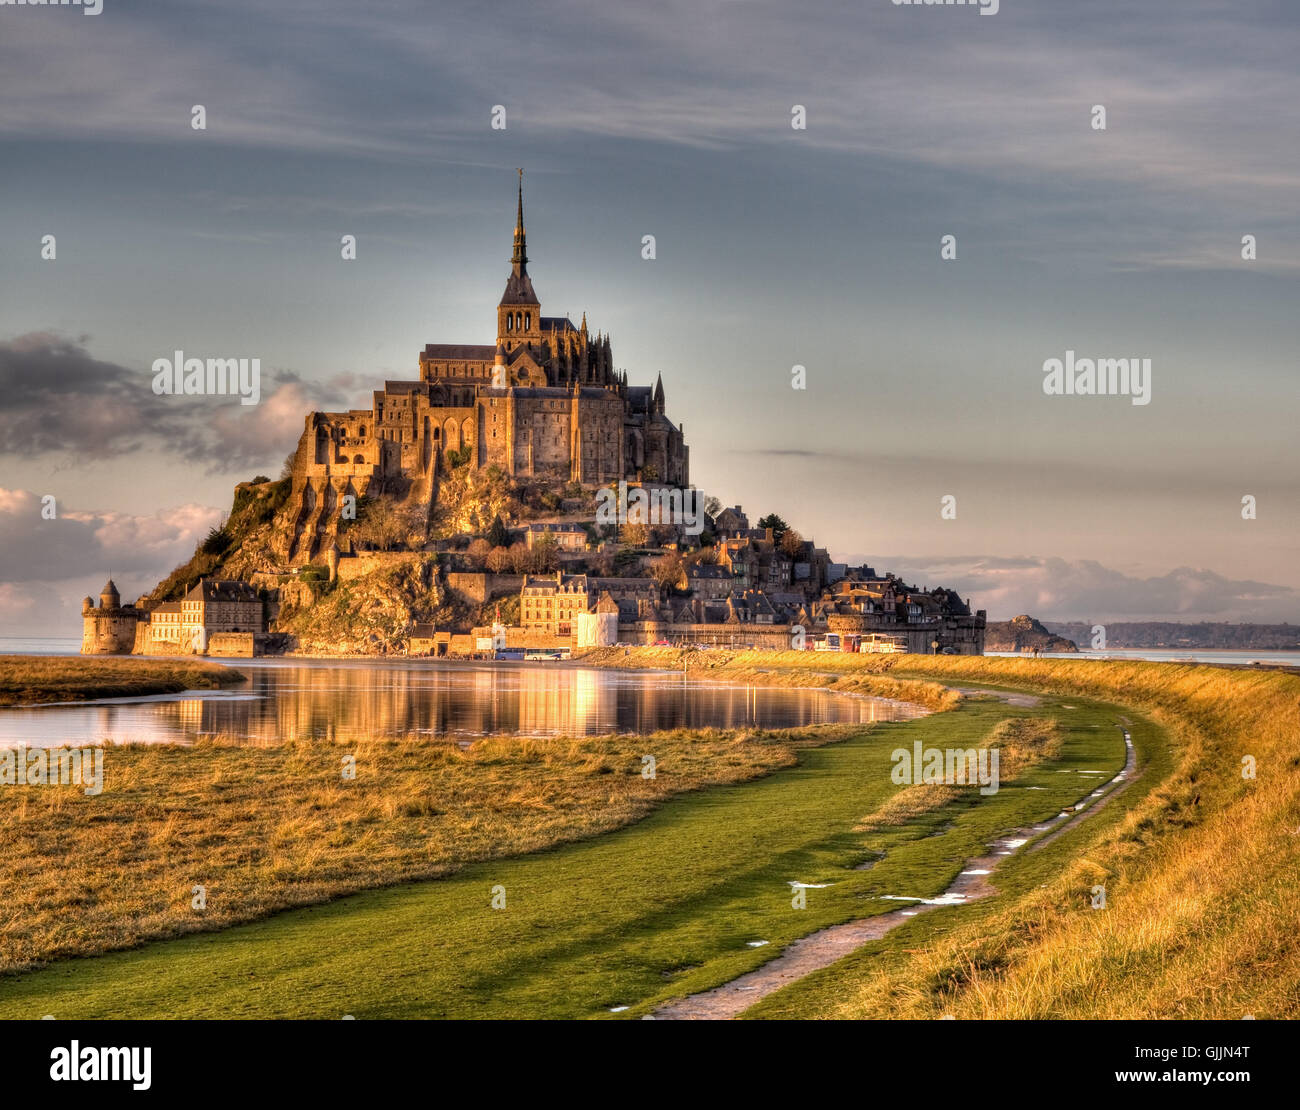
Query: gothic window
{"type": "Point", "coordinates": [510, 322]}
{"type": "Point", "coordinates": [528, 320]}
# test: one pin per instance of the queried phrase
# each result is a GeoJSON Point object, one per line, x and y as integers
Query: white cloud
{"type": "Point", "coordinates": [48, 566]}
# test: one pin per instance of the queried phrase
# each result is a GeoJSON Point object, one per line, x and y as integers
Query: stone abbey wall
{"type": "Point", "coordinates": [543, 403]}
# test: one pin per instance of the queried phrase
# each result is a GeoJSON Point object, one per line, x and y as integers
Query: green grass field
{"type": "Point", "coordinates": [636, 917]}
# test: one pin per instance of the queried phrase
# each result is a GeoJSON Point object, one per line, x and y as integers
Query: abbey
{"type": "Point", "coordinates": [545, 403]}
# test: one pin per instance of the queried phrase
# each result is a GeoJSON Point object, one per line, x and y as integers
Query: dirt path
{"type": "Point", "coordinates": [825, 947]}
{"type": "Point", "coordinates": [1011, 697]}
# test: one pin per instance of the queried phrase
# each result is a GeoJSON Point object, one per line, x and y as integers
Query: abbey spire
{"type": "Point", "coordinates": [520, 258]}
{"type": "Point", "coordinates": [519, 318]}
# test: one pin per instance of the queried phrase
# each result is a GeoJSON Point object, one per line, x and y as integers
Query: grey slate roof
{"type": "Point", "coordinates": [469, 352]}
{"type": "Point", "coordinates": [519, 289]}
{"type": "Point", "coordinates": [217, 589]}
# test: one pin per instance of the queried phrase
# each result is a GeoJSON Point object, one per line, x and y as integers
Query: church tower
{"type": "Point", "coordinates": [519, 315]}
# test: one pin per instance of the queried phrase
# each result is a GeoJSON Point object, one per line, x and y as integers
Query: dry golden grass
{"type": "Point", "coordinates": [265, 827]}
{"type": "Point", "coordinates": [28, 679]}
{"type": "Point", "coordinates": [1202, 875]}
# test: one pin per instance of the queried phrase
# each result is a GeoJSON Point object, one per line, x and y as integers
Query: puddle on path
{"type": "Point", "coordinates": [823, 948]}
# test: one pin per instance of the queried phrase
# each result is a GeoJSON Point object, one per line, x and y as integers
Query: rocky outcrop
{"type": "Point", "coordinates": [369, 614]}
{"type": "Point", "coordinates": [1023, 633]}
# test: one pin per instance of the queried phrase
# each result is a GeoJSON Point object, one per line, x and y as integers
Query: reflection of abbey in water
{"type": "Point", "coordinates": [348, 702]}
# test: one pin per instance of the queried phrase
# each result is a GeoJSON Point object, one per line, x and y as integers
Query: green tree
{"type": "Point", "coordinates": [498, 535]}
{"type": "Point", "coordinates": [779, 527]}
{"type": "Point", "coordinates": [545, 553]}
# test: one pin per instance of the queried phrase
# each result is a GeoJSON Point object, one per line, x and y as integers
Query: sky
{"type": "Point", "coordinates": [775, 247]}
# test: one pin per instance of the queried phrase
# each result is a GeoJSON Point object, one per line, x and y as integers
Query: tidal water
{"type": "Point", "coordinates": [343, 699]}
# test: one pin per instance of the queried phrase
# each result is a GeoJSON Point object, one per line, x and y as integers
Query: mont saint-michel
{"type": "Point", "coordinates": [516, 496]}
{"type": "Point", "coordinates": [669, 581]}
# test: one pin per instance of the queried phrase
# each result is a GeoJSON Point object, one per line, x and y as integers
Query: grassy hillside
{"type": "Point", "coordinates": [240, 547]}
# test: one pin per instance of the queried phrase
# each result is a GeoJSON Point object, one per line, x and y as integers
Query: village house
{"type": "Point", "coordinates": [568, 537]}
{"type": "Point", "coordinates": [552, 603]}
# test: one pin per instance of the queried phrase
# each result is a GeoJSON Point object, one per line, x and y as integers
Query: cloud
{"type": "Point", "coordinates": [1069, 590]}
{"type": "Point", "coordinates": [26, 610]}
{"type": "Point", "coordinates": [48, 566]}
{"type": "Point", "coordinates": [77, 544]}
{"type": "Point", "coordinates": [61, 401]}
{"type": "Point", "coordinates": [1198, 95]}
{"type": "Point", "coordinates": [797, 453]}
